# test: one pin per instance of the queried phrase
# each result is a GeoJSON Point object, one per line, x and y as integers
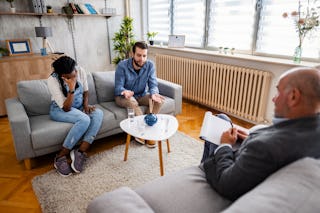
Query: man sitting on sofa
{"type": "Point", "coordinates": [132, 79]}
{"type": "Point", "coordinates": [294, 135]}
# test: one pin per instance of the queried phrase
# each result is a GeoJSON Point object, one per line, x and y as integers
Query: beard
{"type": "Point", "coordinates": [137, 64]}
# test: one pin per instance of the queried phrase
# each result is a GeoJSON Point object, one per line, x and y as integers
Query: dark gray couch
{"type": "Point", "coordinates": [35, 134]}
{"type": "Point", "coordinates": [294, 188]}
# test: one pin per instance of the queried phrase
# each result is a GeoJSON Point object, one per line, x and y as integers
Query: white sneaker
{"type": "Point", "coordinates": [139, 140]}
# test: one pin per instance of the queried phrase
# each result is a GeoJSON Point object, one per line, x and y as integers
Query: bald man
{"type": "Point", "coordinates": [295, 134]}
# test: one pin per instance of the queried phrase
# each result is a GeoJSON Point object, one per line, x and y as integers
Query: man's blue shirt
{"type": "Point", "coordinates": [126, 78]}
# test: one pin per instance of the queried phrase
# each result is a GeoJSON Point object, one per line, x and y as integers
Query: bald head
{"type": "Point", "coordinates": [306, 80]}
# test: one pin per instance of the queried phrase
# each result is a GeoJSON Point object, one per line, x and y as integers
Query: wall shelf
{"type": "Point", "coordinates": [55, 14]}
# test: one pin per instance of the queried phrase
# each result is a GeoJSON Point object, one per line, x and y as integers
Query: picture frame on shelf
{"type": "Point", "coordinates": [19, 47]}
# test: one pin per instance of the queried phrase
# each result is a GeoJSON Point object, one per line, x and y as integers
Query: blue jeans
{"type": "Point", "coordinates": [209, 147]}
{"type": "Point", "coordinates": [85, 125]}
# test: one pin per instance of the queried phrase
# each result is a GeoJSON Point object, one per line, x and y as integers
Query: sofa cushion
{"type": "Point", "coordinates": [35, 96]}
{"type": "Point", "coordinates": [184, 191]}
{"type": "Point", "coordinates": [121, 200]}
{"type": "Point", "coordinates": [46, 132]}
{"type": "Point", "coordinates": [104, 83]}
{"type": "Point", "coordinates": [294, 188]}
{"type": "Point", "coordinates": [92, 90]}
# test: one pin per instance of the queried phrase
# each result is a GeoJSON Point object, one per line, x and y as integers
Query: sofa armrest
{"type": "Point", "coordinates": [121, 200]}
{"type": "Point", "coordinates": [173, 91]}
{"type": "Point", "coordinates": [20, 128]}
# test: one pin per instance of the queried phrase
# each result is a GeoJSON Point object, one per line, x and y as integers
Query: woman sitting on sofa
{"type": "Point", "coordinates": [69, 94]}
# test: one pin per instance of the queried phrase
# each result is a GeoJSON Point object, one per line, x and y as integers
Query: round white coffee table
{"type": "Point", "coordinates": [165, 127]}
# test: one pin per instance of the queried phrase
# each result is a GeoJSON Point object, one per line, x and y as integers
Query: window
{"type": "Point", "coordinates": [251, 26]}
{"type": "Point", "coordinates": [231, 24]}
{"type": "Point", "coordinates": [278, 35]}
{"type": "Point", "coordinates": [189, 20]}
{"type": "Point", "coordinates": [159, 18]}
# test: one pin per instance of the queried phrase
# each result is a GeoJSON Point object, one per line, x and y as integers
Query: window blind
{"type": "Point", "coordinates": [231, 24]}
{"type": "Point", "coordinates": [189, 20]}
{"type": "Point", "coordinates": [159, 18]}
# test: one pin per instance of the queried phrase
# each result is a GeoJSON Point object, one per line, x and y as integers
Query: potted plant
{"type": "Point", "coordinates": [12, 8]}
{"type": "Point", "coordinates": [123, 40]}
{"type": "Point", "coordinates": [151, 36]}
{"type": "Point", "coordinates": [3, 51]}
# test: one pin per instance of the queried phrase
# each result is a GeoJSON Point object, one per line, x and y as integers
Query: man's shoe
{"type": "Point", "coordinates": [139, 140]}
{"type": "Point", "coordinates": [78, 159]}
{"type": "Point", "coordinates": [62, 166]}
{"type": "Point", "coordinates": [151, 144]}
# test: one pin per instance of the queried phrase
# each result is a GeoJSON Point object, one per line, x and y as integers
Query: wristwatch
{"type": "Point", "coordinates": [71, 91]}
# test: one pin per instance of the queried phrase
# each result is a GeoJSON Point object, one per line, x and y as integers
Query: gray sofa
{"type": "Point", "coordinates": [294, 188]}
{"type": "Point", "coordinates": [35, 134]}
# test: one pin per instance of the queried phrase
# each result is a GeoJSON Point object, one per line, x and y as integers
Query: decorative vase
{"type": "Point", "coordinates": [150, 119]}
{"type": "Point", "coordinates": [297, 54]}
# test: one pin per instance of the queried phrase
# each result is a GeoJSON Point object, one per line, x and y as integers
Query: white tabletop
{"type": "Point", "coordinates": [165, 127]}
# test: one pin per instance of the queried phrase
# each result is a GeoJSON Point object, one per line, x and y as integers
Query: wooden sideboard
{"type": "Point", "coordinates": [16, 68]}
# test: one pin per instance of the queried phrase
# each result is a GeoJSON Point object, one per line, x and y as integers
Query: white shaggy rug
{"type": "Point", "coordinates": [107, 171]}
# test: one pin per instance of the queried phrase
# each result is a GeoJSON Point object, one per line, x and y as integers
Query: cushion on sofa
{"type": "Point", "coordinates": [294, 188]}
{"type": "Point", "coordinates": [35, 96]}
{"type": "Point", "coordinates": [104, 83]}
{"type": "Point", "coordinates": [92, 90]}
{"type": "Point", "coordinates": [121, 200]}
{"type": "Point", "coordinates": [184, 191]}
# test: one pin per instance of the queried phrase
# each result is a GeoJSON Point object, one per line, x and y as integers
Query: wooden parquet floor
{"type": "Point", "coordinates": [16, 194]}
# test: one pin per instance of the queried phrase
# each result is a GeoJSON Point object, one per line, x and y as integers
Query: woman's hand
{"type": "Point", "coordinates": [89, 108]}
{"type": "Point", "coordinates": [71, 82]}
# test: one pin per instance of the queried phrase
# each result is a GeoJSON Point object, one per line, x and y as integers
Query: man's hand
{"type": "Point", "coordinates": [89, 108]}
{"type": "Point", "coordinates": [127, 93]}
{"type": "Point", "coordinates": [242, 134]}
{"type": "Point", "coordinates": [229, 137]}
{"type": "Point", "coordinates": [157, 98]}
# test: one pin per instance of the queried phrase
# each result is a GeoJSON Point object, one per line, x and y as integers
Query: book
{"type": "Point", "coordinates": [213, 127]}
{"type": "Point", "coordinates": [78, 9]}
{"type": "Point", "coordinates": [84, 9]}
{"type": "Point", "coordinates": [90, 8]}
{"type": "Point", "coordinates": [43, 6]}
{"type": "Point", "coordinates": [73, 7]}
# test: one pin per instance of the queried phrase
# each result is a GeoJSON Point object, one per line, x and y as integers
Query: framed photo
{"type": "Point", "coordinates": [19, 47]}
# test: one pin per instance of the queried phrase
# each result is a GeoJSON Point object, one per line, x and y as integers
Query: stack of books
{"type": "Point", "coordinates": [86, 8]}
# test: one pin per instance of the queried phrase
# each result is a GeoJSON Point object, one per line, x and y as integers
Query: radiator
{"type": "Point", "coordinates": [238, 91]}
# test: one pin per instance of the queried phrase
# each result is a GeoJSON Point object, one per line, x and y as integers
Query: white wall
{"type": "Point", "coordinates": [93, 35]}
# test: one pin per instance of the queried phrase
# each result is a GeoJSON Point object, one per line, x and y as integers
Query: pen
{"type": "Point", "coordinates": [231, 127]}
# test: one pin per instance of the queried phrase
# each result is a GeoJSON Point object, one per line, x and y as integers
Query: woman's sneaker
{"type": "Point", "coordinates": [62, 166]}
{"type": "Point", "coordinates": [78, 159]}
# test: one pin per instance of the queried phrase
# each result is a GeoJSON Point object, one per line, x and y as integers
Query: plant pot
{"type": "Point", "coordinates": [151, 42]}
{"type": "Point", "coordinates": [12, 9]}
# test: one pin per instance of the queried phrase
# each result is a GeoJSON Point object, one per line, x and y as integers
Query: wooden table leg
{"type": "Point", "coordinates": [168, 145]}
{"type": "Point", "coordinates": [160, 157]}
{"type": "Point", "coordinates": [127, 147]}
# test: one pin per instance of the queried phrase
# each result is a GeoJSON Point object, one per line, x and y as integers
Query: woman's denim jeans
{"type": "Point", "coordinates": [209, 147]}
{"type": "Point", "coordinates": [85, 125]}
